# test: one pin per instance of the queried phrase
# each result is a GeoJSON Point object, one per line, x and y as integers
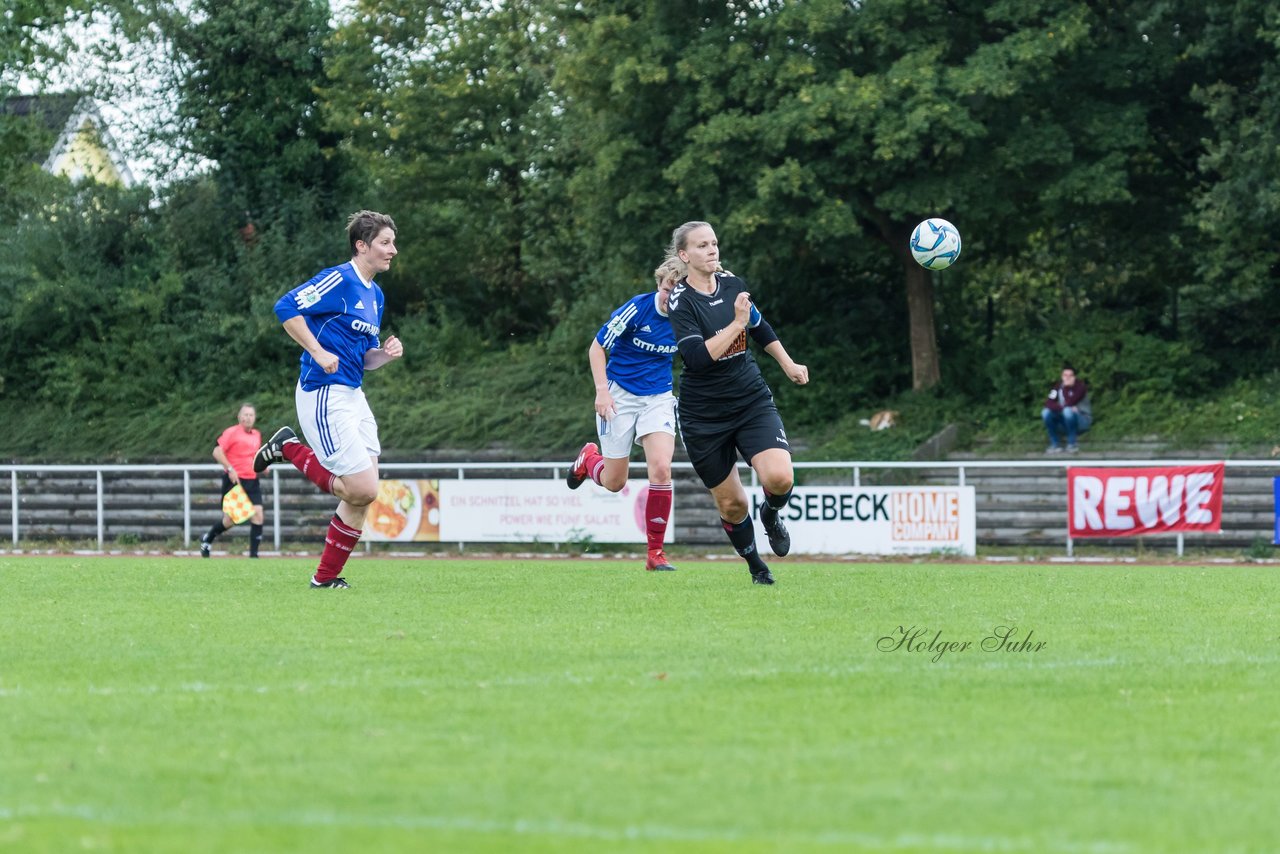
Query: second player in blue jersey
{"type": "Point", "coordinates": [631, 360]}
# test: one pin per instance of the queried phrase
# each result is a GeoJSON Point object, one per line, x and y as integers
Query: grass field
{"type": "Point", "coordinates": [168, 704]}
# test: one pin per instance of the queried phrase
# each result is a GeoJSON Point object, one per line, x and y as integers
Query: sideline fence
{"type": "Point", "coordinates": [555, 470]}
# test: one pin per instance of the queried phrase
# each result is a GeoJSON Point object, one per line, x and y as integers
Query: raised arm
{"type": "Point", "coordinates": [699, 353]}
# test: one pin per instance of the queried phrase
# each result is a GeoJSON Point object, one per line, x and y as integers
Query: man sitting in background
{"type": "Point", "coordinates": [1067, 412]}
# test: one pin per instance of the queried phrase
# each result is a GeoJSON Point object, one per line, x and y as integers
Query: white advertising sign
{"type": "Point", "coordinates": [544, 511]}
{"type": "Point", "coordinates": [885, 520]}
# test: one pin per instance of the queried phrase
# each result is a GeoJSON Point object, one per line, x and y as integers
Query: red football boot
{"type": "Point", "coordinates": [579, 472]}
{"type": "Point", "coordinates": [658, 562]}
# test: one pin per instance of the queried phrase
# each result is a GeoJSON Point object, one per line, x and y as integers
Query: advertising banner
{"type": "Point", "coordinates": [1125, 502]}
{"type": "Point", "coordinates": [507, 511]}
{"type": "Point", "coordinates": [404, 511]}
{"type": "Point", "coordinates": [883, 520]}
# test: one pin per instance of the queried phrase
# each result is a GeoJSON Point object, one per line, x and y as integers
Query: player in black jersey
{"type": "Point", "coordinates": [726, 407]}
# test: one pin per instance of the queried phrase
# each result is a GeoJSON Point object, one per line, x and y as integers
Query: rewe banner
{"type": "Point", "coordinates": [1126, 502]}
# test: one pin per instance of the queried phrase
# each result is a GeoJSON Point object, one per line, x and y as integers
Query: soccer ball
{"type": "Point", "coordinates": [935, 244]}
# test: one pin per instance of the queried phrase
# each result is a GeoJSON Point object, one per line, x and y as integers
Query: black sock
{"type": "Point", "coordinates": [773, 504]}
{"type": "Point", "coordinates": [255, 537]}
{"type": "Point", "coordinates": [214, 531]}
{"type": "Point", "coordinates": [743, 537]}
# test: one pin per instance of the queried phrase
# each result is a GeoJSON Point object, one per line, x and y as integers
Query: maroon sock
{"type": "Point", "coordinates": [595, 467]}
{"type": "Point", "coordinates": [338, 543]}
{"type": "Point", "coordinates": [305, 460]}
{"type": "Point", "coordinates": [657, 512]}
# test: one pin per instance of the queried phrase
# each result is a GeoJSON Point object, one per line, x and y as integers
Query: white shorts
{"type": "Point", "coordinates": [339, 427]}
{"type": "Point", "coordinates": [638, 416]}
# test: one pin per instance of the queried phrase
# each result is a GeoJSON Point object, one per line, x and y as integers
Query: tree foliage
{"type": "Point", "coordinates": [1236, 200]}
{"type": "Point", "coordinates": [243, 77]}
{"type": "Point", "coordinates": [447, 107]}
{"type": "Point", "coordinates": [30, 42]}
{"type": "Point", "coordinates": [1110, 165]}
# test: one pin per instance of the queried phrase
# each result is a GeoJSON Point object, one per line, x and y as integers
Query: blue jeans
{"type": "Point", "coordinates": [1067, 421]}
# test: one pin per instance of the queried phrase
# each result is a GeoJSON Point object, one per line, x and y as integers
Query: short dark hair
{"type": "Point", "coordinates": [366, 225]}
{"type": "Point", "coordinates": [1067, 366]}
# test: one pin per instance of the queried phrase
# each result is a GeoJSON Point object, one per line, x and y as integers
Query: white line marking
{"type": "Point", "coordinates": [579, 830]}
{"type": "Point", "coordinates": [906, 663]}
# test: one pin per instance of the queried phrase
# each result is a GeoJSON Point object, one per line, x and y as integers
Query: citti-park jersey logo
{"type": "Point", "coordinates": [924, 515]}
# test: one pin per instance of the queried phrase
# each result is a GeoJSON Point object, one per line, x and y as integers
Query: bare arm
{"type": "Point", "coordinates": [391, 350]}
{"type": "Point", "coordinates": [798, 374]}
{"type": "Point", "coordinates": [604, 401]}
{"type": "Point", "coordinates": [221, 457]}
{"type": "Point", "coordinates": [297, 329]}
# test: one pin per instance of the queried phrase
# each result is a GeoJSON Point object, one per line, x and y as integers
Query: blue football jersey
{"type": "Point", "coordinates": [640, 344]}
{"type": "Point", "coordinates": [344, 314]}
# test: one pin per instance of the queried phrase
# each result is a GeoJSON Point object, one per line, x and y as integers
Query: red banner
{"type": "Point", "coordinates": [1128, 502]}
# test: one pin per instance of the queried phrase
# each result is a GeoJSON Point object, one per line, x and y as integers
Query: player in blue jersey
{"type": "Point", "coordinates": [336, 317]}
{"type": "Point", "coordinates": [726, 407]}
{"type": "Point", "coordinates": [631, 364]}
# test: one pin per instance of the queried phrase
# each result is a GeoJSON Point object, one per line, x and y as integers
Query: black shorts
{"type": "Point", "coordinates": [713, 444]}
{"type": "Point", "coordinates": [252, 488]}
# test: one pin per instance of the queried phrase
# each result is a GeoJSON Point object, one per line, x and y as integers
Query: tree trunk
{"type": "Point", "coordinates": [925, 364]}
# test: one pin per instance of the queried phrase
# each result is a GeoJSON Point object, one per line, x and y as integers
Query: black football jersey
{"type": "Point", "coordinates": [733, 382]}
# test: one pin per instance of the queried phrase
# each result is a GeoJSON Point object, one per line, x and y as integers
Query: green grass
{"type": "Point", "coordinates": [159, 704]}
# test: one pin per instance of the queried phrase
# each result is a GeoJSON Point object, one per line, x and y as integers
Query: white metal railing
{"type": "Point", "coordinates": [854, 467]}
